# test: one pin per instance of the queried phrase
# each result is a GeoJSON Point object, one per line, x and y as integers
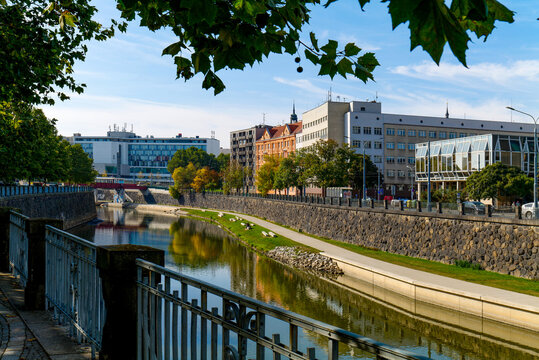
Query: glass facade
{"type": "Point", "coordinates": [88, 149]}
{"type": "Point", "coordinates": [456, 159]}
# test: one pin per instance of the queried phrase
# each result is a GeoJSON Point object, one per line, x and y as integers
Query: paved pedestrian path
{"type": "Point", "coordinates": [31, 335]}
{"type": "Point", "coordinates": [454, 285]}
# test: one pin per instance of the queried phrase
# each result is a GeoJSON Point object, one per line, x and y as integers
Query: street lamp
{"type": "Point", "coordinates": [535, 153]}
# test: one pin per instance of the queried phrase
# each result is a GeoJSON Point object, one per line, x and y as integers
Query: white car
{"type": "Point", "coordinates": [527, 210]}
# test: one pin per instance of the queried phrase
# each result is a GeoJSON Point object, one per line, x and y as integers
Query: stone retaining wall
{"type": "Point", "coordinates": [501, 245]}
{"type": "Point", "coordinates": [73, 208]}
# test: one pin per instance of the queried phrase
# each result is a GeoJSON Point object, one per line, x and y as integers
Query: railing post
{"type": "Point", "coordinates": [401, 205]}
{"type": "Point", "coordinates": [489, 211]}
{"type": "Point", "coordinates": [386, 204]}
{"type": "Point", "coordinates": [461, 209]}
{"type": "Point", "coordinates": [118, 272]}
{"type": "Point", "coordinates": [518, 212]}
{"type": "Point", "coordinates": [34, 292]}
{"type": "Point", "coordinates": [418, 205]}
{"type": "Point", "coordinates": [4, 239]}
{"type": "Point", "coordinates": [439, 207]}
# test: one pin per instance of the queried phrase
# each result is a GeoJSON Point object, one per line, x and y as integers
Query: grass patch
{"type": "Point", "coordinates": [462, 270]}
{"type": "Point", "coordinates": [252, 237]}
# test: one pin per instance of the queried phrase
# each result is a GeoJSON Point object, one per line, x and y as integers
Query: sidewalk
{"type": "Point", "coordinates": [31, 335]}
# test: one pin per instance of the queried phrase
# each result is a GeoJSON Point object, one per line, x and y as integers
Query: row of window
{"type": "Point", "coordinates": [400, 160]}
{"type": "Point", "coordinates": [145, 140]}
{"type": "Point", "coordinates": [400, 146]}
{"type": "Point", "coordinates": [288, 144]}
{"type": "Point", "coordinates": [366, 144]}
{"type": "Point", "coordinates": [367, 130]}
{"type": "Point", "coordinates": [400, 173]}
{"type": "Point", "coordinates": [423, 133]}
{"type": "Point", "coordinates": [315, 122]}
{"type": "Point", "coordinates": [243, 133]}
{"type": "Point", "coordinates": [320, 134]}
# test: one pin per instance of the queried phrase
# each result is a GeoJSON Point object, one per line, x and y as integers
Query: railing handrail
{"type": "Point", "coordinates": [71, 237]}
{"type": "Point", "coordinates": [318, 327]}
{"type": "Point", "coordinates": [18, 214]}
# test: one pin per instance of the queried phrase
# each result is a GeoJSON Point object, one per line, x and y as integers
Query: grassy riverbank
{"type": "Point", "coordinates": [252, 237]}
{"type": "Point", "coordinates": [487, 278]}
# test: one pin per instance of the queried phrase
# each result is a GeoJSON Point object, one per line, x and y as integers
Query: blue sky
{"type": "Point", "coordinates": [128, 81]}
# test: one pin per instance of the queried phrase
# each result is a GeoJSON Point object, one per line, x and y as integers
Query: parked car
{"type": "Point", "coordinates": [474, 207]}
{"type": "Point", "coordinates": [527, 210]}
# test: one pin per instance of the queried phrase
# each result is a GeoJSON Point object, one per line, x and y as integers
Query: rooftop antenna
{"type": "Point", "coordinates": [213, 134]}
{"type": "Point", "coordinates": [376, 96]}
{"type": "Point", "coordinates": [447, 110]}
{"type": "Point", "coordinates": [109, 128]}
{"type": "Point", "coordinates": [338, 98]}
{"type": "Point", "coordinates": [131, 127]}
{"type": "Point", "coordinates": [263, 118]}
{"type": "Point", "coordinates": [330, 93]}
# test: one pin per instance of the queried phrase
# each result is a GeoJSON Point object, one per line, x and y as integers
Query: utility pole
{"type": "Point", "coordinates": [428, 183]}
{"type": "Point", "coordinates": [364, 183]}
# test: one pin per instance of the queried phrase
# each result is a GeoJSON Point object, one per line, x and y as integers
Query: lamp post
{"type": "Point", "coordinates": [411, 183]}
{"type": "Point", "coordinates": [364, 176]}
{"type": "Point", "coordinates": [535, 153]}
{"type": "Point", "coordinates": [428, 183]}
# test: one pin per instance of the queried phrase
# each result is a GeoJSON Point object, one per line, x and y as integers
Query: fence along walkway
{"type": "Point", "coordinates": [6, 191]}
{"type": "Point", "coordinates": [18, 247]}
{"type": "Point", "coordinates": [168, 324]}
{"type": "Point", "coordinates": [73, 286]}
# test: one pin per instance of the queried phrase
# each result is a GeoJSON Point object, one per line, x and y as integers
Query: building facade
{"type": "Point", "coordinates": [390, 139]}
{"type": "Point", "coordinates": [242, 147]}
{"type": "Point", "coordinates": [452, 161]}
{"type": "Point", "coordinates": [124, 154]}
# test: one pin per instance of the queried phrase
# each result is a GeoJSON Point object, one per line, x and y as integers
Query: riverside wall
{"type": "Point", "coordinates": [501, 245]}
{"type": "Point", "coordinates": [73, 208]}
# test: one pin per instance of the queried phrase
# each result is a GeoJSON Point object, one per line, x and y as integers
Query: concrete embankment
{"type": "Point", "coordinates": [72, 208]}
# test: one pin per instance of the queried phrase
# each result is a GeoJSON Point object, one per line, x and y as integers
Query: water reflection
{"type": "Point", "coordinates": [207, 252]}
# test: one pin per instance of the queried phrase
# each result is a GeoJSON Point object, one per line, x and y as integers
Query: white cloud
{"type": "Point", "coordinates": [499, 74]}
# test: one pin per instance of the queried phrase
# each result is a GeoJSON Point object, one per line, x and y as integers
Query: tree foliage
{"type": "Point", "coordinates": [41, 41]}
{"type": "Point", "coordinates": [30, 149]}
{"type": "Point", "coordinates": [205, 179]}
{"type": "Point", "coordinates": [496, 180]}
{"type": "Point", "coordinates": [217, 34]}
{"type": "Point", "coordinates": [198, 157]}
{"type": "Point", "coordinates": [234, 176]}
{"type": "Point", "coordinates": [267, 174]}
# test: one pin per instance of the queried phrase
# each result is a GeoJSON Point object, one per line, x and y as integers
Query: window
{"type": "Point", "coordinates": [442, 135]}
{"type": "Point", "coordinates": [367, 144]}
{"type": "Point", "coordinates": [401, 173]}
{"type": "Point", "coordinates": [411, 132]}
{"type": "Point", "coordinates": [377, 159]}
{"type": "Point", "coordinates": [462, 135]}
{"type": "Point", "coordinates": [410, 174]}
{"type": "Point", "coordinates": [411, 147]}
{"type": "Point", "coordinates": [411, 160]}
{"type": "Point", "coordinates": [367, 130]}
{"type": "Point", "coordinates": [390, 173]}
{"type": "Point", "coordinates": [356, 129]}
{"type": "Point", "coordinates": [390, 160]}
{"type": "Point", "coordinates": [452, 135]}
{"type": "Point", "coordinates": [377, 145]}
{"type": "Point", "coordinates": [390, 146]}
{"type": "Point", "coordinates": [390, 131]}
{"type": "Point", "coordinates": [401, 160]}
{"type": "Point", "coordinates": [356, 143]}
{"type": "Point", "coordinates": [401, 146]}
{"type": "Point", "coordinates": [401, 132]}
{"type": "Point", "coordinates": [377, 131]}
{"type": "Point", "coordinates": [422, 133]}
{"type": "Point", "coordinates": [432, 134]}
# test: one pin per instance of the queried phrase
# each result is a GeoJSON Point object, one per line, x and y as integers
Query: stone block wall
{"type": "Point", "coordinates": [500, 245]}
{"type": "Point", "coordinates": [73, 208]}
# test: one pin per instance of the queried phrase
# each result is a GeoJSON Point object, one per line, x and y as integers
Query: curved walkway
{"type": "Point", "coordinates": [484, 301]}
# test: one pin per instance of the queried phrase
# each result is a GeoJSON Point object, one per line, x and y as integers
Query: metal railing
{"type": "Point", "coordinates": [7, 191]}
{"type": "Point", "coordinates": [168, 324]}
{"type": "Point", "coordinates": [73, 286]}
{"type": "Point", "coordinates": [18, 246]}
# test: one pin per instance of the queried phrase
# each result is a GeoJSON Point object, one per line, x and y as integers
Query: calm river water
{"type": "Point", "coordinates": [206, 252]}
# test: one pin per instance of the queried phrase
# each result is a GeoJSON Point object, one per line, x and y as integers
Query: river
{"type": "Point", "coordinates": [206, 252]}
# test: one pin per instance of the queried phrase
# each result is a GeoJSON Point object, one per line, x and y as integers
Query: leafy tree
{"type": "Point", "coordinates": [218, 34]}
{"type": "Point", "coordinates": [266, 174]}
{"type": "Point", "coordinates": [205, 179]}
{"type": "Point", "coordinates": [198, 157]}
{"type": "Point", "coordinates": [444, 196]}
{"type": "Point", "coordinates": [327, 165]}
{"type": "Point", "coordinates": [355, 171]}
{"type": "Point", "coordinates": [223, 160]}
{"type": "Point", "coordinates": [498, 180]}
{"type": "Point", "coordinates": [81, 169]}
{"type": "Point", "coordinates": [287, 174]}
{"type": "Point", "coordinates": [183, 177]}
{"type": "Point", "coordinates": [233, 177]}
{"type": "Point", "coordinates": [41, 41]}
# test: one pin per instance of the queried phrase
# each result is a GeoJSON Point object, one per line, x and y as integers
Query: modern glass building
{"type": "Point", "coordinates": [453, 160]}
{"type": "Point", "coordinates": [124, 154]}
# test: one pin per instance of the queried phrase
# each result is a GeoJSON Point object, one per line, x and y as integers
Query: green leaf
{"type": "Point", "coordinates": [344, 67]}
{"type": "Point", "coordinates": [312, 57]}
{"type": "Point", "coordinates": [351, 49]}
{"type": "Point", "coordinates": [48, 9]}
{"type": "Point", "coordinates": [70, 19]}
{"type": "Point", "coordinates": [330, 48]}
{"type": "Point", "coordinates": [173, 49]}
{"type": "Point", "coordinates": [314, 41]}
{"type": "Point", "coordinates": [201, 62]}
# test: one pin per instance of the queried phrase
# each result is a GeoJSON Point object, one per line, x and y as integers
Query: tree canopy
{"type": "Point", "coordinates": [199, 158]}
{"type": "Point", "coordinates": [217, 34]}
{"type": "Point", "coordinates": [498, 180]}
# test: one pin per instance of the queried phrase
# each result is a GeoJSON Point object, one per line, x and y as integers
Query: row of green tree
{"type": "Point", "coordinates": [325, 164]}
{"type": "Point", "coordinates": [31, 149]}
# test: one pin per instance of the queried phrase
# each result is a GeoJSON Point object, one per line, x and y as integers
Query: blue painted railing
{"type": "Point", "coordinates": [7, 191]}
{"type": "Point", "coordinates": [73, 286]}
{"type": "Point", "coordinates": [18, 247]}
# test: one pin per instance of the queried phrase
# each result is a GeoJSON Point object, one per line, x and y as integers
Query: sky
{"type": "Point", "coordinates": [129, 82]}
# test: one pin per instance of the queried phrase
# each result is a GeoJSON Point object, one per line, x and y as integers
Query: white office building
{"type": "Point", "coordinates": [123, 154]}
